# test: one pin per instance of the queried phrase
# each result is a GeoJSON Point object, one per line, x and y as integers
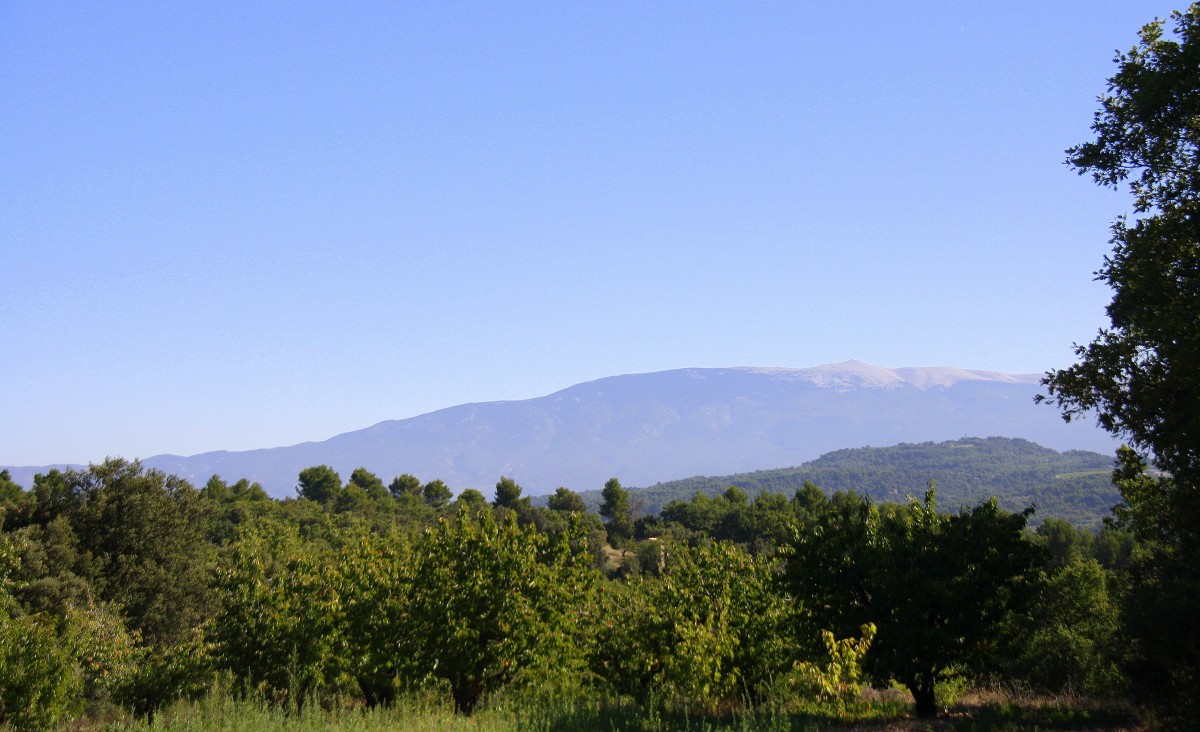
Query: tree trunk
{"type": "Point", "coordinates": [926, 704]}
{"type": "Point", "coordinates": [466, 695]}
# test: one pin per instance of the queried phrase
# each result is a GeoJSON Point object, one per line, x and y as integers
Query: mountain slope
{"type": "Point", "coordinates": [1075, 485]}
{"type": "Point", "coordinates": [647, 428]}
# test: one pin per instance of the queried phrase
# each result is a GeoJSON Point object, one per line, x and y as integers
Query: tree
{"type": "Point", "coordinates": [10, 492]}
{"type": "Point", "coordinates": [566, 500]}
{"type": "Point", "coordinates": [508, 494]}
{"type": "Point", "coordinates": [491, 599]}
{"type": "Point", "coordinates": [938, 586]}
{"type": "Point", "coordinates": [141, 544]}
{"type": "Point", "coordinates": [319, 484]}
{"type": "Point", "coordinates": [279, 626]}
{"type": "Point", "coordinates": [1141, 375]}
{"type": "Point", "coordinates": [436, 493]}
{"type": "Point", "coordinates": [405, 485]}
{"type": "Point", "coordinates": [1068, 637]}
{"type": "Point", "coordinates": [471, 498]}
{"type": "Point", "coordinates": [709, 632]}
{"type": "Point", "coordinates": [41, 681]}
{"type": "Point", "coordinates": [615, 507]}
{"type": "Point", "coordinates": [369, 482]}
{"type": "Point", "coordinates": [373, 582]}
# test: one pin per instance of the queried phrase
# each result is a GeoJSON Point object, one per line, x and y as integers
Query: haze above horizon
{"type": "Point", "coordinates": [224, 226]}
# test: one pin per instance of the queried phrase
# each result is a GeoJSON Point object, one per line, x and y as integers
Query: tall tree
{"type": "Point", "coordinates": [320, 484]}
{"type": "Point", "coordinates": [508, 494]}
{"type": "Point", "coordinates": [141, 542]}
{"type": "Point", "coordinates": [617, 510]}
{"type": "Point", "coordinates": [566, 500]}
{"type": "Point", "coordinates": [1141, 375]}
{"type": "Point", "coordinates": [436, 493]}
{"type": "Point", "coordinates": [405, 485]}
{"type": "Point", "coordinates": [369, 482]}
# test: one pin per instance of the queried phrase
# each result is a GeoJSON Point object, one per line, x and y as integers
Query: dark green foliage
{"type": "Point", "coordinates": [760, 524]}
{"type": "Point", "coordinates": [470, 497]}
{"type": "Point", "coordinates": [1065, 543]}
{"type": "Point", "coordinates": [1067, 639]}
{"type": "Point", "coordinates": [617, 511]}
{"type": "Point", "coordinates": [49, 579]}
{"type": "Point", "coordinates": [10, 495]}
{"type": "Point", "coordinates": [404, 485]}
{"type": "Point", "coordinates": [116, 533]}
{"type": "Point", "coordinates": [565, 499]}
{"type": "Point", "coordinates": [368, 595]}
{"type": "Point", "coordinates": [436, 493]}
{"type": "Point", "coordinates": [319, 484]}
{"type": "Point", "coordinates": [508, 494]}
{"type": "Point", "coordinates": [369, 483]}
{"type": "Point", "coordinates": [142, 545]}
{"type": "Point", "coordinates": [938, 586]}
{"type": "Point", "coordinates": [229, 506]}
{"type": "Point", "coordinates": [1159, 611]}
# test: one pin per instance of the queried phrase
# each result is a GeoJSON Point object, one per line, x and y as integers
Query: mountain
{"type": "Point", "coordinates": [648, 428]}
{"type": "Point", "coordinates": [1075, 485]}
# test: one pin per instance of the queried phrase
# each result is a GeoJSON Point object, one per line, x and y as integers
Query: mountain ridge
{"type": "Point", "coordinates": [658, 426]}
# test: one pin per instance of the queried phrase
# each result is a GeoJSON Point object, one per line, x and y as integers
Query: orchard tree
{"type": "Point", "coordinates": [1141, 375]}
{"type": "Point", "coordinates": [937, 586]}
{"type": "Point", "coordinates": [490, 600]}
{"type": "Point", "coordinates": [280, 623]}
{"type": "Point", "coordinates": [712, 630]}
{"type": "Point", "coordinates": [373, 582]}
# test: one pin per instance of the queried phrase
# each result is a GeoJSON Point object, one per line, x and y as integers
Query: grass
{"type": "Point", "coordinates": [878, 711]}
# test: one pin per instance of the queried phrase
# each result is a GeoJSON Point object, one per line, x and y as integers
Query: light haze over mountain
{"type": "Point", "coordinates": [647, 428]}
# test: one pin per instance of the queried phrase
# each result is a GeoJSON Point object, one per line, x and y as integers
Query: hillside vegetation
{"type": "Point", "coordinates": [1074, 485]}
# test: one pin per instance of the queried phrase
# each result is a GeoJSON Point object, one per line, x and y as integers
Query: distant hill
{"type": "Point", "coordinates": [1074, 485]}
{"type": "Point", "coordinates": [648, 428]}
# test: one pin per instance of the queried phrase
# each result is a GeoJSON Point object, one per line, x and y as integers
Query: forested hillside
{"type": "Point", "coordinates": [1073, 485]}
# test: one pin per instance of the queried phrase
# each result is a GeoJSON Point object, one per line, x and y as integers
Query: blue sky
{"type": "Point", "coordinates": [230, 225]}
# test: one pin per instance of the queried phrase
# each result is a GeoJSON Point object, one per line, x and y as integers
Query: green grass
{"type": "Point", "coordinates": [878, 711]}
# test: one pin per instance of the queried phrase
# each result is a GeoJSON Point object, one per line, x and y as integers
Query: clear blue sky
{"type": "Point", "coordinates": [230, 225]}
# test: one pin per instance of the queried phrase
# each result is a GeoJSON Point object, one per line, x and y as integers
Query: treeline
{"type": "Point", "coordinates": [122, 589]}
{"type": "Point", "coordinates": [1074, 485]}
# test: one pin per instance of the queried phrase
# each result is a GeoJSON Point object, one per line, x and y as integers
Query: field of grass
{"type": "Point", "coordinates": [878, 711]}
